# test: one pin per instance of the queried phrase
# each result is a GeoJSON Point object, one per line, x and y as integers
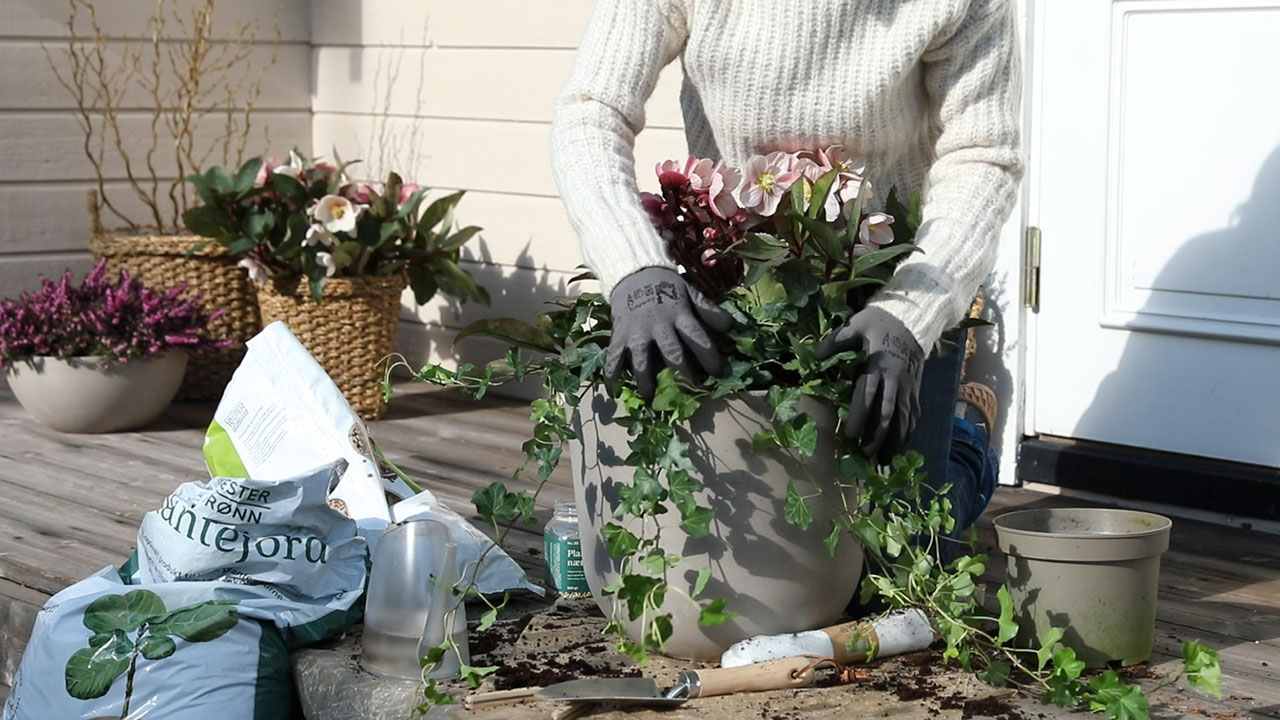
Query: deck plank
{"type": "Point", "coordinates": [70, 505]}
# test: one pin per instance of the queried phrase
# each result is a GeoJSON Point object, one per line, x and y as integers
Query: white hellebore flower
{"type": "Point", "coordinates": [336, 214]}
{"type": "Point", "coordinates": [317, 234]}
{"type": "Point", "coordinates": [257, 271]}
{"type": "Point", "coordinates": [326, 259]}
{"type": "Point", "coordinates": [293, 168]}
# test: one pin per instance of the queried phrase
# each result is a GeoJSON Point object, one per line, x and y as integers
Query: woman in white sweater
{"type": "Point", "coordinates": [926, 91]}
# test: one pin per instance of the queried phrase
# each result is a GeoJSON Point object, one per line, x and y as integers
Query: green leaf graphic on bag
{"type": "Point", "coordinates": [111, 652]}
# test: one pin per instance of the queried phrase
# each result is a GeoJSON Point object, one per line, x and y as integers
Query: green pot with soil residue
{"type": "Point", "coordinates": [1093, 572]}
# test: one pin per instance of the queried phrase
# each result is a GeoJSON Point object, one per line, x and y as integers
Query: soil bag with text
{"type": "Point", "coordinates": [171, 651]}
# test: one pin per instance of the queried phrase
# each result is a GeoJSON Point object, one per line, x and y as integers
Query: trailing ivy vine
{"type": "Point", "coordinates": [801, 281]}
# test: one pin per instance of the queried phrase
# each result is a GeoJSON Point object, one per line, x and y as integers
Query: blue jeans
{"type": "Point", "coordinates": [954, 450]}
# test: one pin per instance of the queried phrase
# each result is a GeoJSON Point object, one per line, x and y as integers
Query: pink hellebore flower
{"type": "Point", "coordinates": [701, 172]}
{"type": "Point", "coordinates": [407, 190]}
{"type": "Point", "coordinates": [336, 214]}
{"type": "Point", "coordinates": [326, 259]}
{"type": "Point", "coordinates": [767, 178]}
{"type": "Point", "coordinates": [723, 182]}
{"type": "Point", "coordinates": [874, 233]}
{"type": "Point", "coordinates": [357, 193]}
{"type": "Point", "coordinates": [257, 271]}
{"type": "Point", "coordinates": [268, 166]}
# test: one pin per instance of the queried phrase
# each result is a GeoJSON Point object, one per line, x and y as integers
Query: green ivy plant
{"type": "Point", "coordinates": [136, 624]}
{"type": "Point", "coordinates": [800, 280]}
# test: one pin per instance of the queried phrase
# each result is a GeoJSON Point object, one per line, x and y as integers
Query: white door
{"type": "Point", "coordinates": [1155, 178]}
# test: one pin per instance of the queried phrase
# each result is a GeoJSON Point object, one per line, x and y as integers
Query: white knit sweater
{"type": "Point", "coordinates": [926, 90]}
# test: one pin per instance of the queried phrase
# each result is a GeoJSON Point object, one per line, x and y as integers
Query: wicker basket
{"type": "Point", "coordinates": [160, 262]}
{"type": "Point", "coordinates": [349, 333]}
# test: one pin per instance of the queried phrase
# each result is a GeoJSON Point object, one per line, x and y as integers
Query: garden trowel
{"type": "Point", "coordinates": [791, 672]}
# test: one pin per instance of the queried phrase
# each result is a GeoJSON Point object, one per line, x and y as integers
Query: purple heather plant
{"type": "Point", "coordinates": [117, 321]}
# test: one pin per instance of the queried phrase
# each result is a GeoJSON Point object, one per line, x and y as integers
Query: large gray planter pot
{"type": "Point", "coordinates": [1093, 572]}
{"type": "Point", "coordinates": [82, 395]}
{"type": "Point", "coordinates": [777, 577]}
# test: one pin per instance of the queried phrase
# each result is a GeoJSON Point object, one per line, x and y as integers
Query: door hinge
{"type": "Point", "coordinates": [1031, 269]}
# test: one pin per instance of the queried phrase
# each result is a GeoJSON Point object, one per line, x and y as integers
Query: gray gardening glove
{"type": "Point", "coordinates": [659, 320]}
{"type": "Point", "coordinates": [886, 397]}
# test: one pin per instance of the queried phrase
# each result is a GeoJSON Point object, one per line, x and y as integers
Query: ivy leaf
{"type": "Point", "coordinates": [700, 583]}
{"type": "Point", "coordinates": [124, 612]}
{"type": "Point", "coordinates": [495, 501]}
{"type": "Point", "coordinates": [801, 433]}
{"type": "Point", "coordinates": [697, 521]}
{"type": "Point", "coordinates": [491, 615]}
{"type": "Point", "coordinates": [676, 456]}
{"type": "Point", "coordinates": [1008, 628]}
{"type": "Point", "coordinates": [669, 397]}
{"type": "Point", "coordinates": [156, 647]}
{"type": "Point", "coordinates": [619, 541]}
{"type": "Point", "coordinates": [996, 674]}
{"type": "Point", "coordinates": [1066, 664]}
{"type": "Point", "coordinates": [713, 613]}
{"type": "Point", "coordinates": [784, 401]}
{"type": "Point", "coordinates": [658, 562]}
{"type": "Point", "coordinates": [473, 675]}
{"type": "Point", "coordinates": [91, 671]}
{"type": "Point", "coordinates": [764, 441]}
{"type": "Point", "coordinates": [641, 591]}
{"type": "Point", "coordinates": [971, 564]}
{"type": "Point", "coordinates": [832, 540]}
{"type": "Point", "coordinates": [1063, 692]}
{"type": "Point", "coordinates": [1048, 639]}
{"type": "Point", "coordinates": [797, 509]}
{"type": "Point", "coordinates": [660, 630]}
{"type": "Point", "coordinates": [680, 488]}
{"type": "Point", "coordinates": [1203, 668]}
{"type": "Point", "coordinates": [643, 496]}
{"type": "Point", "coordinates": [1118, 700]}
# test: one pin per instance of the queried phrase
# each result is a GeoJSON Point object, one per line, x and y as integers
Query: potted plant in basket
{"type": "Point", "coordinates": [332, 257]}
{"type": "Point", "coordinates": [198, 89]}
{"type": "Point", "coordinates": [100, 356]}
{"type": "Point", "coordinates": [732, 506]}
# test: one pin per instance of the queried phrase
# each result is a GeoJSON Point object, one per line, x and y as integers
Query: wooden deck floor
{"type": "Point", "coordinates": [70, 505]}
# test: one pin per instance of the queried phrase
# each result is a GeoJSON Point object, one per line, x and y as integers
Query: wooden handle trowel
{"type": "Point", "coordinates": [774, 675]}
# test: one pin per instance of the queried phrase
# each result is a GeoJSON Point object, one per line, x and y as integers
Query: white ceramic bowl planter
{"type": "Point", "coordinates": [82, 395]}
{"type": "Point", "coordinates": [777, 577]}
{"type": "Point", "coordinates": [1093, 572]}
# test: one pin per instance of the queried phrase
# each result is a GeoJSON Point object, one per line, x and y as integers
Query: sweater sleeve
{"type": "Point", "coordinates": [597, 118]}
{"type": "Point", "coordinates": [973, 79]}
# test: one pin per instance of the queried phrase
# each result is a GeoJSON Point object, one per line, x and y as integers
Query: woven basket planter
{"type": "Point", "coordinates": [161, 262]}
{"type": "Point", "coordinates": [349, 333]}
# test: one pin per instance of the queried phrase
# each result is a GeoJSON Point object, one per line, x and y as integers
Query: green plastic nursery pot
{"type": "Point", "coordinates": [1093, 572]}
{"type": "Point", "coordinates": [776, 576]}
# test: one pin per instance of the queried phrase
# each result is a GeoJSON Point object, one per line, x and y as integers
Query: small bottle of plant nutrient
{"type": "Point", "coordinates": [563, 549]}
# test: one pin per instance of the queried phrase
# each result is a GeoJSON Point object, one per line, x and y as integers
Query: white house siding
{"type": "Point", "coordinates": [44, 174]}
{"type": "Point", "coordinates": [459, 95]}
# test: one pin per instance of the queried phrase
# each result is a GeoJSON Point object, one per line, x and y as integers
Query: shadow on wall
{"type": "Point", "coordinates": [1238, 261]}
{"type": "Point", "coordinates": [519, 292]}
{"type": "Point", "coordinates": [989, 366]}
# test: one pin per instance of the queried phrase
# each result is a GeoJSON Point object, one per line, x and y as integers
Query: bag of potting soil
{"type": "Point", "coordinates": [282, 414]}
{"type": "Point", "coordinates": [274, 546]}
{"type": "Point", "coordinates": [103, 649]}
